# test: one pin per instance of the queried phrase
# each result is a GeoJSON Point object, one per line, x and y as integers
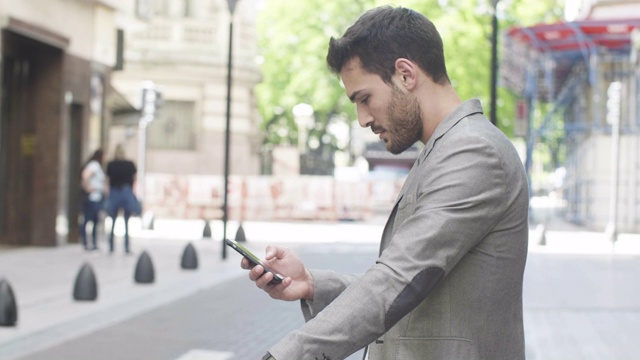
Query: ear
{"type": "Point", "coordinates": [406, 73]}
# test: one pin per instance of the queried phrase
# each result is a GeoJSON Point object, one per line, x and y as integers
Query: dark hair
{"type": "Point", "coordinates": [98, 156]}
{"type": "Point", "coordinates": [383, 35]}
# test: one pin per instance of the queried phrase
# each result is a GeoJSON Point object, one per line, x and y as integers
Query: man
{"type": "Point", "coordinates": [448, 280]}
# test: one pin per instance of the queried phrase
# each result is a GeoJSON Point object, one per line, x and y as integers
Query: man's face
{"type": "Point", "coordinates": [393, 115]}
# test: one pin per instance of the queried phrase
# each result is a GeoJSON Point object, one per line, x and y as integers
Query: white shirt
{"type": "Point", "coordinates": [94, 180]}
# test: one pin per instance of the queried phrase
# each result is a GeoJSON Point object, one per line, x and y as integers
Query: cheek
{"type": "Point", "coordinates": [382, 112]}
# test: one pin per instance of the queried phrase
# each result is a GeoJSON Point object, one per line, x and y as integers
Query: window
{"type": "Point", "coordinates": [146, 9]}
{"type": "Point", "coordinates": [173, 127]}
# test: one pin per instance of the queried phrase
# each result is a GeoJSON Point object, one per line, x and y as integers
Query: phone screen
{"type": "Point", "coordinates": [277, 278]}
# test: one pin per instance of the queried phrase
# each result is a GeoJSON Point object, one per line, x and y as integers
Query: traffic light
{"type": "Point", "coordinates": [151, 99]}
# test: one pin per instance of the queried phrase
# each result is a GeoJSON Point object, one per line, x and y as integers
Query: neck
{"type": "Point", "coordinates": [436, 101]}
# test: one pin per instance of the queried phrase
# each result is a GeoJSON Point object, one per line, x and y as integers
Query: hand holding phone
{"type": "Point", "coordinates": [254, 260]}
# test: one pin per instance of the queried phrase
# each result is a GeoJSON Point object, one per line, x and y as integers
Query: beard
{"type": "Point", "coordinates": [405, 126]}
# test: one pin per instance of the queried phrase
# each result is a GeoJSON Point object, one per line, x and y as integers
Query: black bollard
{"type": "Point", "coordinates": [206, 233]}
{"type": "Point", "coordinates": [8, 308]}
{"type": "Point", "coordinates": [144, 269]}
{"type": "Point", "coordinates": [85, 287]}
{"type": "Point", "coordinates": [148, 220]}
{"type": "Point", "coordinates": [540, 236]}
{"type": "Point", "coordinates": [240, 237]}
{"type": "Point", "coordinates": [189, 258]}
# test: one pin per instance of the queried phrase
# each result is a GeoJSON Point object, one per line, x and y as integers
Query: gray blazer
{"type": "Point", "coordinates": [448, 282]}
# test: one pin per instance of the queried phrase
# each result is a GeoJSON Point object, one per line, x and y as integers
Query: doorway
{"type": "Point", "coordinates": [29, 140]}
{"type": "Point", "coordinates": [75, 163]}
{"type": "Point", "coordinates": [17, 148]}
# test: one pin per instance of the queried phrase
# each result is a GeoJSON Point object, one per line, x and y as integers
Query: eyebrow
{"type": "Point", "coordinates": [353, 96]}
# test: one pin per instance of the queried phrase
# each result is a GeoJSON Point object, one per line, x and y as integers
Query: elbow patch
{"type": "Point", "coordinates": [412, 295]}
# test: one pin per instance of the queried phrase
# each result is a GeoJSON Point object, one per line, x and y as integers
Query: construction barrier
{"type": "Point", "coordinates": [267, 198]}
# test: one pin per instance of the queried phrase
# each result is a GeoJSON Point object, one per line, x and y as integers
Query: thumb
{"type": "Point", "coordinates": [275, 252]}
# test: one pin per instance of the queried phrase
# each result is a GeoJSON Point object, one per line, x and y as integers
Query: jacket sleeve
{"type": "Point", "coordinates": [328, 285]}
{"type": "Point", "coordinates": [458, 199]}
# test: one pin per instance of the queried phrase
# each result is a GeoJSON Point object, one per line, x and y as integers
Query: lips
{"type": "Point", "coordinates": [377, 130]}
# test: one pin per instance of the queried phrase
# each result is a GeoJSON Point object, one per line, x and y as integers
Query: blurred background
{"type": "Point", "coordinates": [231, 115]}
{"type": "Point", "coordinates": [173, 80]}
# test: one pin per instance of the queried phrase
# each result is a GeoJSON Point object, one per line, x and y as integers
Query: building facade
{"type": "Point", "coordinates": [57, 59]}
{"type": "Point", "coordinates": [182, 46]}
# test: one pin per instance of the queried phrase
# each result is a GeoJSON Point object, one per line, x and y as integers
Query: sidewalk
{"type": "Point", "coordinates": [42, 278]}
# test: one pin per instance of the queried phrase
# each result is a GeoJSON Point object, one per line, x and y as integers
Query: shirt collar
{"type": "Point", "coordinates": [463, 110]}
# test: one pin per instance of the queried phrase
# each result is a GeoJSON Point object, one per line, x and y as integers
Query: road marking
{"type": "Point", "coordinates": [199, 354]}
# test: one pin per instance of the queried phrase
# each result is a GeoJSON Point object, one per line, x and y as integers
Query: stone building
{"type": "Point", "coordinates": [57, 60]}
{"type": "Point", "coordinates": [182, 46]}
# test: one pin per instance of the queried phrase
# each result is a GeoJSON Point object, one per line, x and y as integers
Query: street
{"type": "Point", "coordinates": [577, 306]}
{"type": "Point", "coordinates": [233, 318]}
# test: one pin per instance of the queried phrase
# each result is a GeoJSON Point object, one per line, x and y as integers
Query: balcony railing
{"type": "Point", "coordinates": [190, 40]}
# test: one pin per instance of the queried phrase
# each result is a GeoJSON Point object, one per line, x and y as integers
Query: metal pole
{"type": "Point", "coordinates": [494, 63]}
{"type": "Point", "coordinates": [148, 109]}
{"type": "Point", "coordinates": [633, 123]}
{"type": "Point", "coordinates": [142, 156]}
{"type": "Point", "coordinates": [615, 94]}
{"type": "Point", "coordinates": [615, 163]}
{"type": "Point", "coordinates": [227, 137]}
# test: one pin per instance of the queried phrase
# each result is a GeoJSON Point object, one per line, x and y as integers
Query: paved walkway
{"type": "Point", "coordinates": [42, 279]}
{"type": "Point", "coordinates": [601, 308]}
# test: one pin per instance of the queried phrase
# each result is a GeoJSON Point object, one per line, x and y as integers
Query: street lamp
{"type": "Point", "coordinates": [494, 62]}
{"type": "Point", "coordinates": [148, 108]}
{"type": "Point", "coordinates": [227, 134]}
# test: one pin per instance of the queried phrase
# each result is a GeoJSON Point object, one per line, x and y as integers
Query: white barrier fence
{"type": "Point", "coordinates": [268, 197]}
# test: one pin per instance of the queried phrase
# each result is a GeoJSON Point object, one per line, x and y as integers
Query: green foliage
{"type": "Point", "coordinates": [293, 38]}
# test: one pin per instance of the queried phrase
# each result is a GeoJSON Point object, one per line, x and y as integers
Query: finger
{"type": "Point", "coordinates": [245, 264]}
{"type": "Point", "coordinates": [276, 291]}
{"type": "Point", "coordinates": [275, 252]}
{"type": "Point", "coordinates": [283, 284]}
{"type": "Point", "coordinates": [264, 281]}
{"type": "Point", "coordinates": [256, 272]}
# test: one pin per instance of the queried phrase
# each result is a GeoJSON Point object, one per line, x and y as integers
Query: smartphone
{"type": "Point", "coordinates": [254, 260]}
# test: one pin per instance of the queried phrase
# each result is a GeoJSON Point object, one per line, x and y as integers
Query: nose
{"type": "Point", "coordinates": [364, 117]}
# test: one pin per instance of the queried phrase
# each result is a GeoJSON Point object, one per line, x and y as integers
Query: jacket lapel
{"type": "Point", "coordinates": [467, 108]}
{"type": "Point", "coordinates": [387, 233]}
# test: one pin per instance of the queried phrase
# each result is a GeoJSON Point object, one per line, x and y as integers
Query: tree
{"type": "Point", "coordinates": [293, 40]}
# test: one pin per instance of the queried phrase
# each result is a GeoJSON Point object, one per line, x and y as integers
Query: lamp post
{"type": "Point", "coordinates": [148, 110]}
{"type": "Point", "coordinates": [227, 134]}
{"type": "Point", "coordinates": [614, 94]}
{"type": "Point", "coordinates": [494, 62]}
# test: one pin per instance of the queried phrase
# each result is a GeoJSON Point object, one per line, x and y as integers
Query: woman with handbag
{"type": "Point", "coordinates": [93, 183]}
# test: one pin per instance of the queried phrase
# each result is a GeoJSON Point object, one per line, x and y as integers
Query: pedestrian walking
{"type": "Point", "coordinates": [448, 280]}
{"type": "Point", "coordinates": [122, 175]}
{"type": "Point", "coordinates": [93, 188]}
